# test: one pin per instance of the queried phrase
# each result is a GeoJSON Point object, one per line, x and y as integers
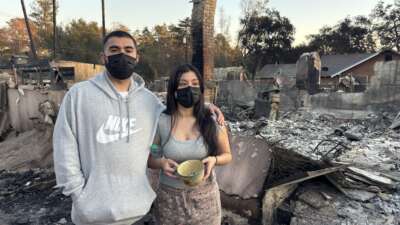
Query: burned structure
{"type": "Point", "coordinates": [308, 76]}
{"type": "Point", "coordinates": [334, 151]}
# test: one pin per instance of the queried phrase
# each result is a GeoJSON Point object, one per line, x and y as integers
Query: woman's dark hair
{"type": "Point", "coordinates": [203, 116]}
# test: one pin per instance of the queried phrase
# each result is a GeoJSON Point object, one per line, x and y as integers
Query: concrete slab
{"type": "Point", "coordinates": [246, 174]}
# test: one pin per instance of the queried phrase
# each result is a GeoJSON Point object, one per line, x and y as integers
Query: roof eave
{"type": "Point", "coordinates": [355, 64]}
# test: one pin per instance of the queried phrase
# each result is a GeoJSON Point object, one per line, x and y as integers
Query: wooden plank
{"type": "Point", "coordinates": [273, 198]}
{"type": "Point", "coordinates": [358, 178]}
{"type": "Point", "coordinates": [313, 174]}
{"type": "Point", "coordinates": [337, 185]}
{"type": "Point", "coordinates": [372, 177]}
{"type": "Point", "coordinates": [390, 176]}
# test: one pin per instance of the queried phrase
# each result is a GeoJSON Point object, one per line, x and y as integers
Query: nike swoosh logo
{"type": "Point", "coordinates": [104, 138]}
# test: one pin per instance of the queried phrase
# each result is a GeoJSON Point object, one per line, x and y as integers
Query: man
{"type": "Point", "coordinates": [102, 138]}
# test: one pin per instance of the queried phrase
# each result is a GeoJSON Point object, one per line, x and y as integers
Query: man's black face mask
{"type": "Point", "coordinates": [121, 66]}
{"type": "Point", "coordinates": [188, 97]}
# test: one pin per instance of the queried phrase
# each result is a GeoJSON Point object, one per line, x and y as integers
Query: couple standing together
{"type": "Point", "coordinates": [102, 140]}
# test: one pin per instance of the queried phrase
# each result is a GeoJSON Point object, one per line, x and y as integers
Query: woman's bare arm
{"type": "Point", "coordinates": [167, 165]}
{"type": "Point", "coordinates": [223, 156]}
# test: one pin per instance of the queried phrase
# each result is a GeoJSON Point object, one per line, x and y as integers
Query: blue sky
{"type": "Point", "coordinates": [308, 16]}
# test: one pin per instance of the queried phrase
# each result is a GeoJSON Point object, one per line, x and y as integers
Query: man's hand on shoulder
{"type": "Point", "coordinates": [217, 111]}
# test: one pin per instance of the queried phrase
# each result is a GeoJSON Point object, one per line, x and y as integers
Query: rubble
{"type": "Point", "coordinates": [30, 149]}
{"type": "Point", "coordinates": [354, 134]}
{"type": "Point", "coordinates": [29, 198]}
{"type": "Point", "coordinates": [369, 187]}
{"type": "Point", "coordinates": [360, 195]}
{"type": "Point", "coordinates": [339, 210]}
{"type": "Point", "coordinates": [230, 218]}
{"type": "Point", "coordinates": [302, 132]}
{"type": "Point", "coordinates": [396, 122]}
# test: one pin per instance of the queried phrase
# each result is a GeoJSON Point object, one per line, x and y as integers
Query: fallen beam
{"type": "Point", "coordinates": [391, 177]}
{"type": "Point", "coordinates": [273, 198]}
{"type": "Point", "coordinates": [337, 185]}
{"type": "Point", "coordinates": [372, 177]}
{"type": "Point", "coordinates": [313, 174]}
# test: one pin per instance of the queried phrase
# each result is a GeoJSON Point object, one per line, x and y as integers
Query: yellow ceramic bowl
{"type": "Point", "coordinates": [191, 172]}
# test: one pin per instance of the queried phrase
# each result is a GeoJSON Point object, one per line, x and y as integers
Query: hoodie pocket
{"type": "Point", "coordinates": [92, 204]}
{"type": "Point", "coordinates": [136, 201]}
{"type": "Point", "coordinates": [106, 199]}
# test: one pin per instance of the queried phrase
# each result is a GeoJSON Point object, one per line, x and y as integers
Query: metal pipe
{"type": "Point", "coordinates": [33, 49]}
{"type": "Point", "coordinates": [103, 18]}
{"type": "Point", "coordinates": [54, 30]}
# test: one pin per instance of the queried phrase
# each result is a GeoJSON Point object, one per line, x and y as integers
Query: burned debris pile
{"type": "Point", "coordinates": [29, 197]}
{"type": "Point", "coordinates": [327, 170]}
{"type": "Point", "coordinates": [367, 143]}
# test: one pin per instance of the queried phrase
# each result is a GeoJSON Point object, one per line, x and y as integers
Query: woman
{"type": "Point", "coordinates": [187, 131]}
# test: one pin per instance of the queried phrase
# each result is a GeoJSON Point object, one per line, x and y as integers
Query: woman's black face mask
{"type": "Point", "coordinates": [121, 66]}
{"type": "Point", "coordinates": [188, 96]}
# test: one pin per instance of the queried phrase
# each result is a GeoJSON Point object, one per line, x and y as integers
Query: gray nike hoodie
{"type": "Point", "coordinates": [101, 145]}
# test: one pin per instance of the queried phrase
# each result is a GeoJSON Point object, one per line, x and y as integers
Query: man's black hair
{"type": "Point", "coordinates": [119, 33]}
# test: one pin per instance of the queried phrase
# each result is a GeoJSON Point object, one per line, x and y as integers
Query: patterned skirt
{"type": "Point", "coordinates": [195, 206]}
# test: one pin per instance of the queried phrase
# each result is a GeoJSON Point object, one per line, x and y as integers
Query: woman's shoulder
{"type": "Point", "coordinates": [215, 122]}
{"type": "Point", "coordinates": [164, 119]}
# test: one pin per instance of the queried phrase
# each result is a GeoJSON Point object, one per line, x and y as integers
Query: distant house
{"type": "Point", "coordinates": [349, 72]}
{"type": "Point", "coordinates": [354, 68]}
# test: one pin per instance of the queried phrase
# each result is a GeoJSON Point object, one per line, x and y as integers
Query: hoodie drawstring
{"type": "Point", "coordinates": [120, 117]}
{"type": "Point", "coordinates": [129, 120]}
